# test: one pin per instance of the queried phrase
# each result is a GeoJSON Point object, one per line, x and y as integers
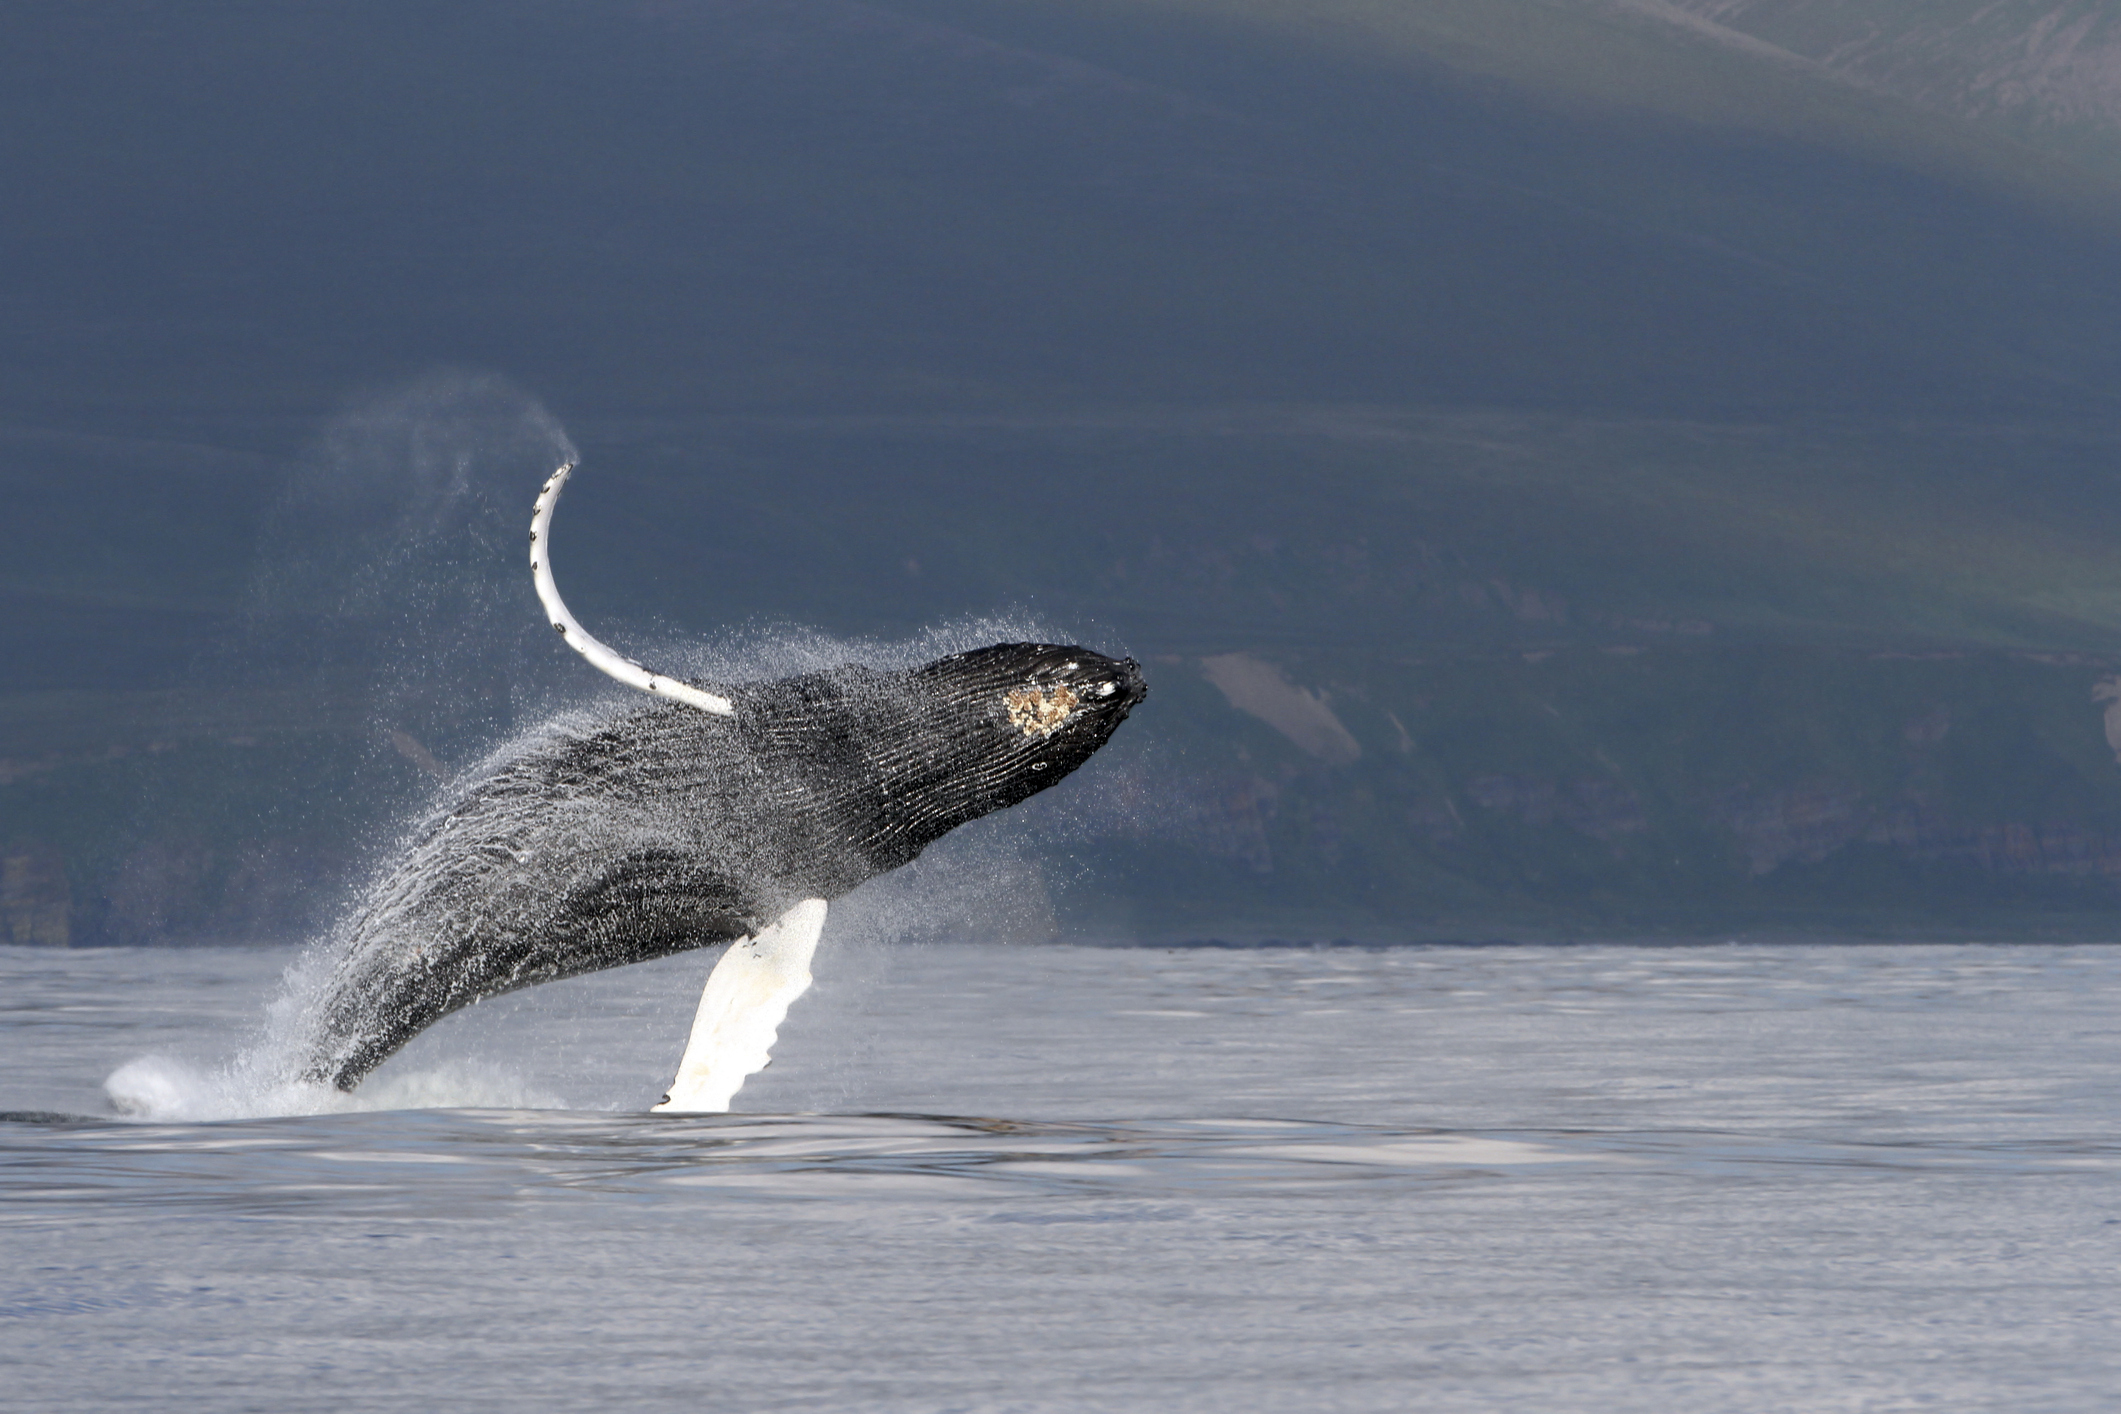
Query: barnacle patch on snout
{"type": "Point", "coordinates": [1040, 712]}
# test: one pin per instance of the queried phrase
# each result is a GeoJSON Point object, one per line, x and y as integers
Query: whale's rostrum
{"type": "Point", "coordinates": [720, 814]}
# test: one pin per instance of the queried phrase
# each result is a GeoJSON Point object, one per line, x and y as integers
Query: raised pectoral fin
{"type": "Point", "coordinates": [741, 1010]}
{"type": "Point", "coordinates": [578, 638]}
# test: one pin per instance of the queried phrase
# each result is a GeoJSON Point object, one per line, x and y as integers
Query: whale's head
{"type": "Point", "coordinates": [976, 732]}
{"type": "Point", "coordinates": [1041, 707]}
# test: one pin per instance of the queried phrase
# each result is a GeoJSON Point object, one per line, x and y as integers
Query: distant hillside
{"type": "Point", "coordinates": [2047, 73]}
{"type": "Point", "coordinates": [1414, 674]}
{"type": "Point", "coordinates": [2017, 96]}
{"type": "Point", "coordinates": [830, 205]}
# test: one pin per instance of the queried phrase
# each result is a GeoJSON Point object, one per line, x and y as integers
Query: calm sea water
{"type": "Point", "coordinates": [1072, 1178]}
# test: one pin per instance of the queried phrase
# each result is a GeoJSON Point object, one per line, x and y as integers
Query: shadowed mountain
{"type": "Point", "coordinates": [682, 206]}
{"type": "Point", "coordinates": [1690, 359]}
{"type": "Point", "coordinates": [2048, 74]}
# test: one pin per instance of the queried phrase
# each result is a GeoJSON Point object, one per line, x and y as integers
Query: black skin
{"type": "Point", "coordinates": [669, 828]}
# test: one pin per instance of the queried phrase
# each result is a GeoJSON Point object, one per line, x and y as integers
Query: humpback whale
{"type": "Point", "coordinates": [719, 814]}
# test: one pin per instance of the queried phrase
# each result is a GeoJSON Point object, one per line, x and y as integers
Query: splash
{"type": "Point", "coordinates": [258, 1081]}
{"type": "Point", "coordinates": [163, 1090]}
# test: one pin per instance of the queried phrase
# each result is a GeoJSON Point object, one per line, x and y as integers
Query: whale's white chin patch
{"type": "Point", "coordinates": [741, 1009]}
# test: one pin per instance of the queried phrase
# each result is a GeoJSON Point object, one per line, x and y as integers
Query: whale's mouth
{"type": "Point", "coordinates": [1118, 688]}
{"type": "Point", "coordinates": [1130, 687]}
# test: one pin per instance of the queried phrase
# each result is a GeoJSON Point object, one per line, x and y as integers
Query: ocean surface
{"type": "Point", "coordinates": [1718, 1177]}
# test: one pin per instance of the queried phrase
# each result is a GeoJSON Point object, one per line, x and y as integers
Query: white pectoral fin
{"type": "Point", "coordinates": [746, 998]}
{"type": "Point", "coordinates": [612, 664]}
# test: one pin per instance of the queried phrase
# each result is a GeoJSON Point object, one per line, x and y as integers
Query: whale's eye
{"type": "Point", "coordinates": [1040, 712]}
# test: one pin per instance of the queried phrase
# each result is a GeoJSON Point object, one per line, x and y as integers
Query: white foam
{"type": "Point", "coordinates": [161, 1089]}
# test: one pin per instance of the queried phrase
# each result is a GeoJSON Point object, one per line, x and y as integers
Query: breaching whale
{"type": "Point", "coordinates": [732, 815]}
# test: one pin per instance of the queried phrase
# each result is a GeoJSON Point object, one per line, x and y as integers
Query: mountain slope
{"type": "Point", "coordinates": [1607, 414]}
{"type": "Point", "coordinates": [2047, 73]}
{"type": "Point", "coordinates": [779, 205]}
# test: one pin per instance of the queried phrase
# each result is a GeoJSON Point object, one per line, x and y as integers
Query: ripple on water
{"type": "Point", "coordinates": [50, 1165]}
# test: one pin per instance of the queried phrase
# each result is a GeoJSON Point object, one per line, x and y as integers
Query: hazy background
{"type": "Point", "coordinates": [1570, 468]}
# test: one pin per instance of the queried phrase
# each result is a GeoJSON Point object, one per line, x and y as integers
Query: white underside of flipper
{"type": "Point", "coordinates": [746, 998]}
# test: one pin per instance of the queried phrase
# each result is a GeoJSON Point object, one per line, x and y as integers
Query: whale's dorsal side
{"type": "Point", "coordinates": [741, 1009]}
